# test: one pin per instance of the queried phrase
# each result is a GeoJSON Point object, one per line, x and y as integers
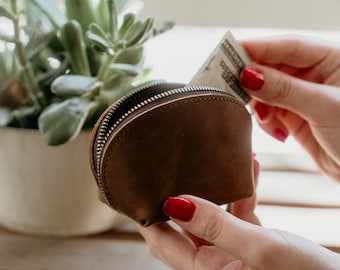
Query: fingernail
{"type": "Point", "coordinates": [252, 78]}
{"type": "Point", "coordinates": [253, 155]}
{"type": "Point", "coordinates": [179, 208]}
{"type": "Point", "coordinates": [261, 110]}
{"type": "Point", "coordinates": [280, 134]}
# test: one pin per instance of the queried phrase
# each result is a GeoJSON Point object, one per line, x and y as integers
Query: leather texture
{"type": "Point", "coordinates": [199, 145]}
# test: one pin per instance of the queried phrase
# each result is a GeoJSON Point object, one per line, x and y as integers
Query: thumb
{"type": "Point", "coordinates": [279, 89]}
{"type": "Point", "coordinates": [245, 208]}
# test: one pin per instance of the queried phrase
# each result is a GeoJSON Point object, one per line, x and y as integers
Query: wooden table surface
{"type": "Point", "coordinates": [122, 248]}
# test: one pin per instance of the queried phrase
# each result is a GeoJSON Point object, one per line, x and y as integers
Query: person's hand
{"type": "Point", "coordinates": [215, 239]}
{"type": "Point", "coordinates": [163, 239]}
{"type": "Point", "coordinates": [295, 90]}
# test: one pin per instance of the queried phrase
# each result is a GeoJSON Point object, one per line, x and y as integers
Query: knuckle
{"type": "Point", "coordinates": [213, 228]}
{"type": "Point", "coordinates": [284, 88]}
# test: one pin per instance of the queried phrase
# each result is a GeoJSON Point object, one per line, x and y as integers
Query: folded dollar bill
{"type": "Point", "coordinates": [223, 67]}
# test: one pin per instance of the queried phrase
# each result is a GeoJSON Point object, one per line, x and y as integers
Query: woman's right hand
{"type": "Point", "coordinates": [295, 90]}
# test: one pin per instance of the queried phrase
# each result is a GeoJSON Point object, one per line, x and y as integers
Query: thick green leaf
{"type": "Point", "coordinates": [98, 43]}
{"type": "Point", "coordinates": [113, 19]}
{"type": "Point", "coordinates": [125, 69]}
{"type": "Point", "coordinates": [82, 11]}
{"type": "Point", "coordinates": [73, 85]}
{"type": "Point", "coordinates": [5, 116]}
{"type": "Point", "coordinates": [129, 19]}
{"type": "Point", "coordinates": [137, 31]}
{"type": "Point", "coordinates": [132, 55]}
{"type": "Point", "coordinates": [134, 30]}
{"type": "Point", "coordinates": [102, 14]}
{"type": "Point", "coordinates": [73, 40]}
{"type": "Point", "coordinates": [97, 30]}
{"type": "Point", "coordinates": [148, 30]}
{"type": "Point", "coordinates": [62, 122]}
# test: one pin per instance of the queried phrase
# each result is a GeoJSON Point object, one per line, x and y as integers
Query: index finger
{"type": "Point", "coordinates": [300, 52]}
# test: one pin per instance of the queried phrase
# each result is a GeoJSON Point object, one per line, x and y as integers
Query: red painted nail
{"type": "Point", "coordinates": [280, 134]}
{"type": "Point", "coordinates": [179, 208]}
{"type": "Point", "coordinates": [252, 78]}
{"type": "Point", "coordinates": [261, 110]}
{"type": "Point", "coordinates": [253, 155]}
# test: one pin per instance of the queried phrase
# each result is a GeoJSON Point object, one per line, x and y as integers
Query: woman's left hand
{"type": "Point", "coordinates": [215, 239]}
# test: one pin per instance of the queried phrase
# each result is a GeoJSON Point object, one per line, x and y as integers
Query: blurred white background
{"type": "Point", "coordinates": [302, 14]}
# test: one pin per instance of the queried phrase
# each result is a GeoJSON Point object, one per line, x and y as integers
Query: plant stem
{"type": "Point", "coordinates": [7, 39]}
{"type": "Point", "coordinates": [32, 88]}
{"type": "Point", "coordinates": [102, 70]}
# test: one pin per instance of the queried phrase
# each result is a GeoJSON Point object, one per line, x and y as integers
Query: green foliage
{"type": "Point", "coordinates": [74, 85]}
{"type": "Point", "coordinates": [72, 38]}
{"type": "Point", "coordinates": [61, 121]}
{"type": "Point", "coordinates": [73, 65]}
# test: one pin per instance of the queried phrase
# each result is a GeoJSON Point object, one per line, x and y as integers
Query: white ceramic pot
{"type": "Point", "coordinates": [49, 190]}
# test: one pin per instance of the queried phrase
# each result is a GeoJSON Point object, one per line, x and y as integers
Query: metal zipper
{"type": "Point", "coordinates": [104, 133]}
{"type": "Point", "coordinates": [102, 129]}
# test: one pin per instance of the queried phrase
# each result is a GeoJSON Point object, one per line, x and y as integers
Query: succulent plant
{"type": "Point", "coordinates": [64, 65]}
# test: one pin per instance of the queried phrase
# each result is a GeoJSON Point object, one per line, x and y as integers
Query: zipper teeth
{"type": "Point", "coordinates": [103, 134]}
{"type": "Point", "coordinates": [101, 140]}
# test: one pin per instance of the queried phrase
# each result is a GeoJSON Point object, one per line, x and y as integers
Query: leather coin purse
{"type": "Point", "coordinates": [167, 139]}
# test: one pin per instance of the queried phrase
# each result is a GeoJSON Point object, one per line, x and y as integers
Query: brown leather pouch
{"type": "Point", "coordinates": [170, 139]}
